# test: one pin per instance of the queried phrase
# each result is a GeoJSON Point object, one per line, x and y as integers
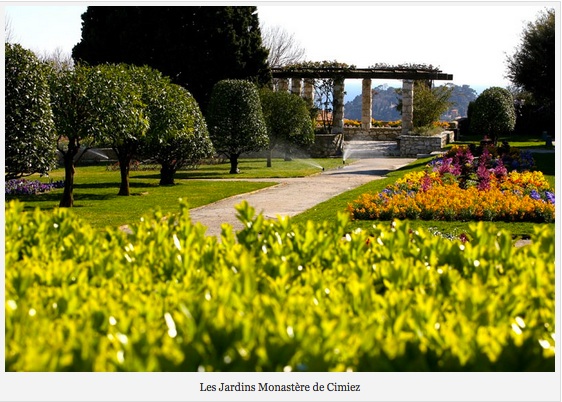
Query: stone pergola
{"type": "Point", "coordinates": [298, 75]}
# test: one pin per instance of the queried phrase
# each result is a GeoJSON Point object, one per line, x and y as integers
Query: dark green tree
{"type": "Point", "coordinates": [178, 135]}
{"type": "Point", "coordinates": [492, 113]}
{"type": "Point", "coordinates": [235, 120]}
{"type": "Point", "coordinates": [532, 66]}
{"type": "Point", "coordinates": [30, 139]}
{"type": "Point", "coordinates": [288, 120]}
{"type": "Point", "coordinates": [196, 46]}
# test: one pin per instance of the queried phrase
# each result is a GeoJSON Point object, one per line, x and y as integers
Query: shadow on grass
{"type": "Point", "coordinates": [545, 162]}
{"type": "Point", "coordinates": [56, 197]}
{"type": "Point", "coordinates": [115, 185]}
{"type": "Point", "coordinates": [190, 175]}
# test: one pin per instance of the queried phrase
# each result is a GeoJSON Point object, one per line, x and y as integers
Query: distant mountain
{"type": "Point", "coordinates": [385, 100]}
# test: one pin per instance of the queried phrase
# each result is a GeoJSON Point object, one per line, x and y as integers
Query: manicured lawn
{"type": "Point", "coordinates": [523, 142]}
{"type": "Point", "coordinates": [97, 202]}
{"type": "Point", "coordinates": [256, 168]}
{"type": "Point", "coordinates": [96, 187]}
{"type": "Point", "coordinates": [328, 210]}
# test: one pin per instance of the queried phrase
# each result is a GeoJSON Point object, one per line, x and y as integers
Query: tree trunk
{"type": "Point", "coordinates": [67, 200]}
{"type": "Point", "coordinates": [234, 164]}
{"type": "Point", "coordinates": [124, 165]}
{"type": "Point", "coordinates": [167, 174]}
{"type": "Point", "coordinates": [269, 155]}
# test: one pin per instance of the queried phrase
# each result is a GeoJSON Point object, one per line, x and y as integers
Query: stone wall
{"type": "Point", "coordinates": [374, 133]}
{"type": "Point", "coordinates": [414, 145]}
{"type": "Point", "coordinates": [326, 145]}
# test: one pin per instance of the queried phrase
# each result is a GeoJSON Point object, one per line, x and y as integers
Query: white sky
{"type": "Point", "coordinates": [469, 40]}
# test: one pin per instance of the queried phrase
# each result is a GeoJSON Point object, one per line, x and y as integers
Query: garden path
{"type": "Point", "coordinates": [295, 195]}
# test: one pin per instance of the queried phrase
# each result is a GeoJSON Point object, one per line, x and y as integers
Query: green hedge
{"type": "Point", "coordinates": [272, 297]}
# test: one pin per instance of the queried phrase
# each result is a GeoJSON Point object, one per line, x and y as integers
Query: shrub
{"type": "Point", "coordinates": [493, 113]}
{"type": "Point", "coordinates": [273, 296]}
{"type": "Point", "coordinates": [30, 138]}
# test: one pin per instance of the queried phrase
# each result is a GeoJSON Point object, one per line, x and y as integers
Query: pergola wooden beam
{"type": "Point", "coordinates": [390, 74]}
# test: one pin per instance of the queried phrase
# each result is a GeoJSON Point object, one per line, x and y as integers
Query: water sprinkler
{"type": "Point", "coordinates": [344, 161]}
{"type": "Point", "coordinates": [322, 168]}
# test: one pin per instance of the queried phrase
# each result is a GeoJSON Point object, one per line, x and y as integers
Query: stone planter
{"type": "Point", "coordinates": [414, 145]}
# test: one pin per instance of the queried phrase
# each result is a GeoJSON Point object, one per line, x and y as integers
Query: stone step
{"type": "Point", "coordinates": [369, 149]}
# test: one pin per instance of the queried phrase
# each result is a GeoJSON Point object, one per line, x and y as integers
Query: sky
{"type": "Point", "coordinates": [471, 41]}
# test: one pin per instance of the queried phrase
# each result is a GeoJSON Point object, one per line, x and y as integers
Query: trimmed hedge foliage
{"type": "Point", "coordinates": [273, 296]}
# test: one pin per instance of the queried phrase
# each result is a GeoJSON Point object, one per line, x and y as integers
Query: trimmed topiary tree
{"type": "Point", "coordinates": [235, 120]}
{"type": "Point", "coordinates": [30, 139]}
{"type": "Point", "coordinates": [122, 114]}
{"type": "Point", "coordinates": [75, 119]}
{"type": "Point", "coordinates": [288, 120]}
{"type": "Point", "coordinates": [178, 134]}
{"type": "Point", "coordinates": [493, 113]}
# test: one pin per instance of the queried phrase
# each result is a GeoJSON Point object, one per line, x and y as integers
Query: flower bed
{"type": "Point", "coordinates": [499, 184]}
{"type": "Point", "coordinates": [30, 187]}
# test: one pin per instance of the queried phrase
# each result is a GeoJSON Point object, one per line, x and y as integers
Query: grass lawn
{"type": "Point", "coordinates": [520, 141]}
{"type": "Point", "coordinates": [96, 187]}
{"type": "Point", "coordinates": [256, 168]}
{"type": "Point", "coordinates": [97, 202]}
{"type": "Point", "coordinates": [328, 210]}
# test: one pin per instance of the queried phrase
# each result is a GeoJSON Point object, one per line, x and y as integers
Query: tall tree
{"type": "Point", "coordinates": [532, 66]}
{"type": "Point", "coordinates": [196, 46]}
{"type": "Point", "coordinates": [283, 48]}
{"type": "Point", "coordinates": [29, 128]}
{"type": "Point", "coordinates": [235, 120]}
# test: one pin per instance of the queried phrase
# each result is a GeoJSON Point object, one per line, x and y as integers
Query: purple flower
{"type": "Point", "coordinates": [483, 177]}
{"type": "Point", "coordinates": [425, 182]}
{"type": "Point", "coordinates": [500, 170]}
{"type": "Point", "coordinates": [535, 195]}
{"type": "Point", "coordinates": [30, 187]}
{"type": "Point", "coordinates": [549, 197]}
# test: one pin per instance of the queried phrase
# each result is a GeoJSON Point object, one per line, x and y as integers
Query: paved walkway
{"type": "Point", "coordinates": [293, 196]}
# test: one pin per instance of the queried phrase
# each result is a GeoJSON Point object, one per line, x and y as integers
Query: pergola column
{"type": "Point", "coordinates": [308, 92]}
{"type": "Point", "coordinates": [283, 85]}
{"type": "Point", "coordinates": [407, 106]}
{"type": "Point", "coordinates": [366, 104]}
{"type": "Point", "coordinates": [337, 121]}
{"type": "Point", "coordinates": [296, 86]}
